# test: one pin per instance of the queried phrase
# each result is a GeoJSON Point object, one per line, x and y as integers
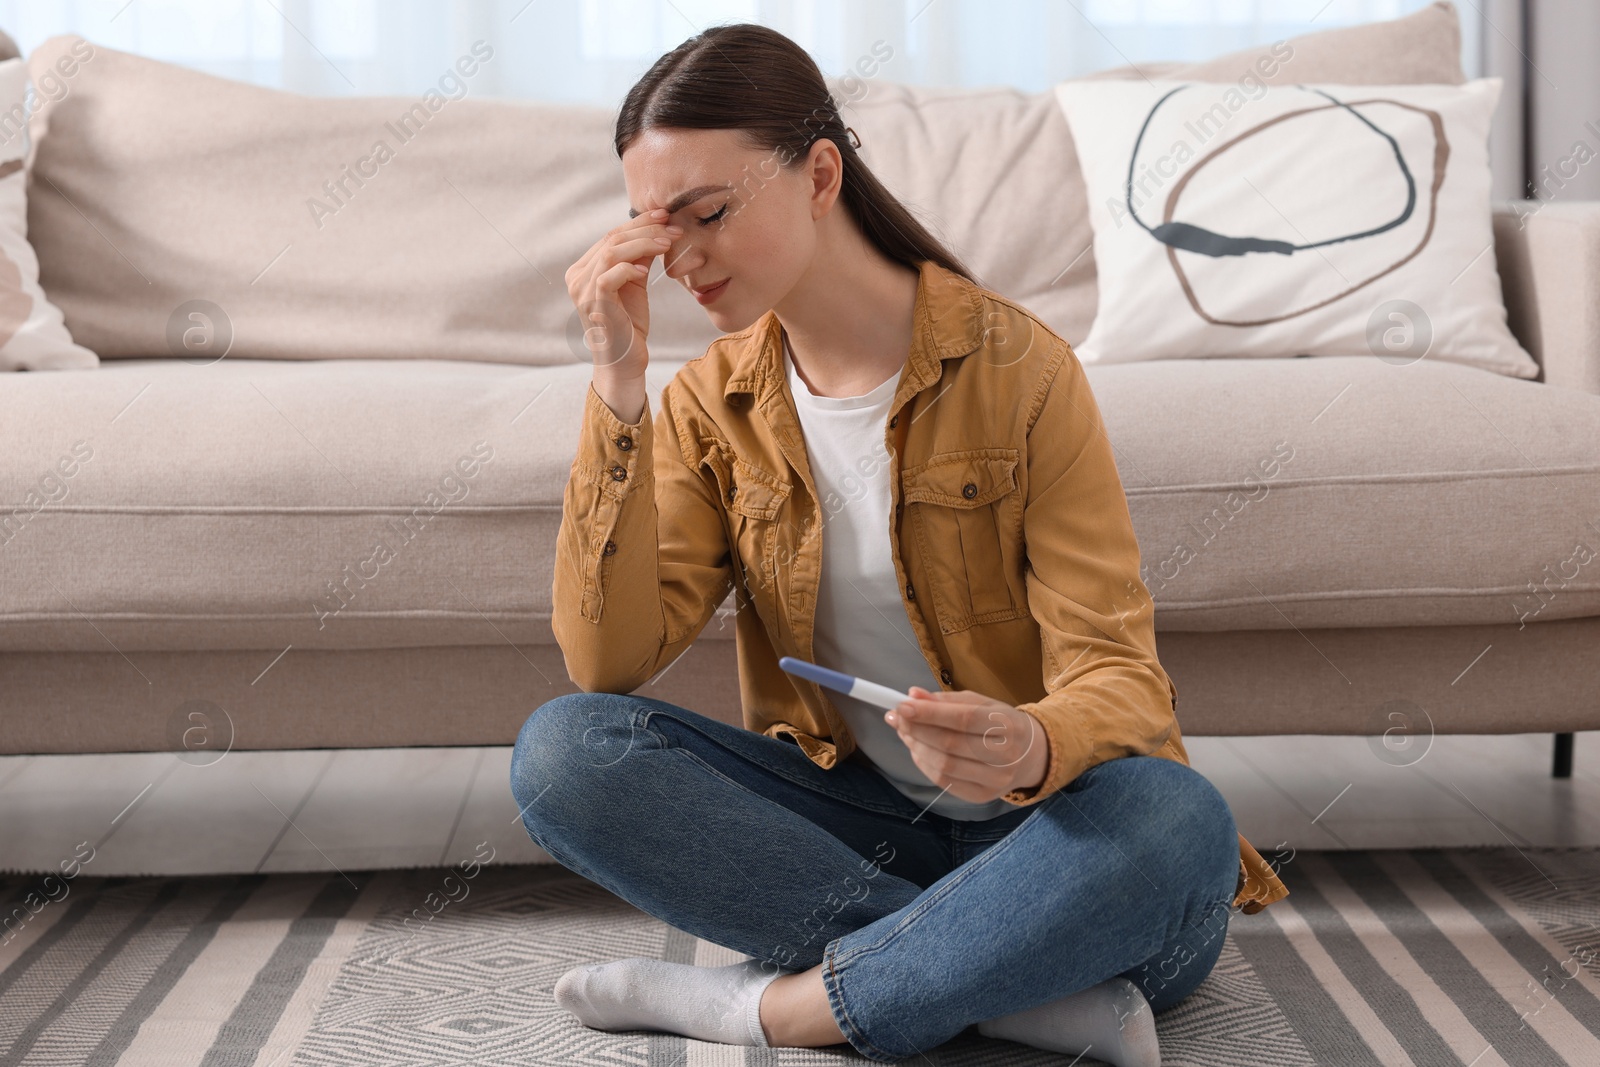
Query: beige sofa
{"type": "Point", "coordinates": [330, 522]}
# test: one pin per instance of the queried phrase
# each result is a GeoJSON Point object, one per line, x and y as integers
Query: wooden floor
{"type": "Point", "coordinates": [339, 809]}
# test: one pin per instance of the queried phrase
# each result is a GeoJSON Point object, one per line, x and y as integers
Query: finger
{"type": "Point", "coordinates": [616, 277]}
{"type": "Point", "coordinates": [973, 749]}
{"type": "Point", "coordinates": [602, 255]}
{"type": "Point", "coordinates": [996, 741]}
{"type": "Point", "coordinates": [635, 247]}
{"type": "Point", "coordinates": [953, 715]}
{"type": "Point", "coordinates": [960, 697]}
{"type": "Point", "coordinates": [932, 735]}
{"type": "Point", "coordinates": [648, 218]}
{"type": "Point", "coordinates": [661, 228]}
{"type": "Point", "coordinates": [943, 768]}
{"type": "Point", "coordinates": [641, 248]}
{"type": "Point", "coordinates": [934, 738]}
{"type": "Point", "coordinates": [642, 227]}
{"type": "Point", "coordinates": [644, 218]}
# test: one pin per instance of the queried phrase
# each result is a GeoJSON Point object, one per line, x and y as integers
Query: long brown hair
{"type": "Point", "coordinates": [754, 79]}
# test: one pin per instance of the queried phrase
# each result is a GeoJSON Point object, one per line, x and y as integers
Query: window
{"type": "Point", "coordinates": [591, 51]}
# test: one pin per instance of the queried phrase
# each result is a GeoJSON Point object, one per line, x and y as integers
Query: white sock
{"type": "Point", "coordinates": [1111, 1021]}
{"type": "Point", "coordinates": [638, 993]}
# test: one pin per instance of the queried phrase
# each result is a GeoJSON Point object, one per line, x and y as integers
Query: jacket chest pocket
{"type": "Point", "coordinates": [966, 514]}
{"type": "Point", "coordinates": [753, 501]}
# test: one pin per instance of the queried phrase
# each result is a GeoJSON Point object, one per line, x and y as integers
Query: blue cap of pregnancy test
{"type": "Point", "coordinates": [821, 675]}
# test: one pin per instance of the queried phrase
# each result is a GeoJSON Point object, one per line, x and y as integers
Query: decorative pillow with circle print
{"type": "Point", "coordinates": [1322, 220]}
{"type": "Point", "coordinates": [33, 332]}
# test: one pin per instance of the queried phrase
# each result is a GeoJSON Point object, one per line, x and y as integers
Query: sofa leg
{"type": "Point", "coordinates": [1563, 762]}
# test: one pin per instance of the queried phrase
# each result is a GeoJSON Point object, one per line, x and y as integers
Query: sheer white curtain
{"type": "Point", "coordinates": [591, 51]}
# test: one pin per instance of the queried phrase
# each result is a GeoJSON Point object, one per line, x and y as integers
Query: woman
{"type": "Point", "coordinates": [904, 476]}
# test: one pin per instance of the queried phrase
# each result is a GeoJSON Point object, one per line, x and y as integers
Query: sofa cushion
{"type": "Point", "coordinates": [1295, 220]}
{"type": "Point", "coordinates": [32, 336]}
{"type": "Point", "coordinates": [994, 171]}
{"type": "Point", "coordinates": [1345, 491]}
{"type": "Point", "coordinates": [157, 505]}
{"type": "Point", "coordinates": [276, 217]}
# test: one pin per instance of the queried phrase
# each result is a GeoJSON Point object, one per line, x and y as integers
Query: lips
{"type": "Point", "coordinates": [705, 296]}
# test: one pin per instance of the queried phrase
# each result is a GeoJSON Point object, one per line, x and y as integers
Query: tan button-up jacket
{"type": "Point", "coordinates": [1011, 539]}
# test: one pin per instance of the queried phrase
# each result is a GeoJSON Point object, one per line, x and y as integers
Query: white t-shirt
{"type": "Point", "coordinates": [861, 624]}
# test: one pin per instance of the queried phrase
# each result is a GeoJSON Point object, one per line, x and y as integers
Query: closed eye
{"type": "Point", "coordinates": [713, 218]}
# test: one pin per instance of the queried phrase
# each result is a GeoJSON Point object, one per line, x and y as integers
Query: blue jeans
{"type": "Point", "coordinates": [925, 925]}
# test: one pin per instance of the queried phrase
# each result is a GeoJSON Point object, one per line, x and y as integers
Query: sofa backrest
{"type": "Point", "coordinates": [438, 226]}
{"type": "Point", "coordinates": [441, 226]}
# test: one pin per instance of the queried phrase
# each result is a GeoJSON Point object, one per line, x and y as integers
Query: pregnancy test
{"type": "Point", "coordinates": [871, 692]}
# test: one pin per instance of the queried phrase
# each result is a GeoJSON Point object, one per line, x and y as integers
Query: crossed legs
{"type": "Point", "coordinates": [840, 881]}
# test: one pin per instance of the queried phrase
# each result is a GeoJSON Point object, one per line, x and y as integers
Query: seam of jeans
{"type": "Point", "coordinates": [712, 770]}
{"type": "Point", "coordinates": [966, 869]}
{"type": "Point", "coordinates": [709, 769]}
{"type": "Point", "coordinates": [1224, 904]}
{"type": "Point", "coordinates": [641, 719]}
{"type": "Point", "coordinates": [962, 847]}
{"type": "Point", "coordinates": [841, 1014]}
{"type": "Point", "coordinates": [1199, 923]}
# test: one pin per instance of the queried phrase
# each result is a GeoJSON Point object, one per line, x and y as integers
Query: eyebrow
{"type": "Point", "coordinates": [683, 200]}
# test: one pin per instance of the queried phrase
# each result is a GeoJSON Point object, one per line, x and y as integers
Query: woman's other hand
{"type": "Point", "coordinates": [976, 747]}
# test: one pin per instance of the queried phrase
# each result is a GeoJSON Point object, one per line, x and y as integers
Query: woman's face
{"type": "Point", "coordinates": [746, 220]}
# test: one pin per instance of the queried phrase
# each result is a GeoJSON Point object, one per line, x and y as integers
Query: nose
{"type": "Point", "coordinates": [680, 258]}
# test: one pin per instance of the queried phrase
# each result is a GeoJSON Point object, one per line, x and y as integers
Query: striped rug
{"type": "Point", "coordinates": [1472, 957]}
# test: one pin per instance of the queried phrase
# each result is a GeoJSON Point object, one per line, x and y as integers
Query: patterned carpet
{"type": "Point", "coordinates": [1469, 957]}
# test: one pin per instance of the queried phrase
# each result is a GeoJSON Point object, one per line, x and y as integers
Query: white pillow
{"type": "Point", "coordinates": [1324, 220]}
{"type": "Point", "coordinates": [33, 332]}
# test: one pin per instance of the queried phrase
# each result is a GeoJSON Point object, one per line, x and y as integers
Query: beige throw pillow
{"type": "Point", "coordinates": [996, 173]}
{"type": "Point", "coordinates": [180, 214]}
{"type": "Point", "coordinates": [33, 334]}
{"type": "Point", "coordinates": [1313, 219]}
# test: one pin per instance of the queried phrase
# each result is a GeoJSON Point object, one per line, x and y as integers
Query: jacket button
{"type": "Point", "coordinates": [911, 594]}
{"type": "Point", "coordinates": [944, 676]}
{"type": "Point", "coordinates": [611, 546]}
{"type": "Point", "coordinates": [625, 442]}
{"type": "Point", "coordinates": [618, 473]}
{"type": "Point", "coordinates": [732, 490]}
{"type": "Point", "coordinates": [894, 420]}
{"type": "Point", "coordinates": [969, 490]}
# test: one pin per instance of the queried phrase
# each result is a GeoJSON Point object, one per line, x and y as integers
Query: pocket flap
{"type": "Point", "coordinates": [755, 492]}
{"type": "Point", "coordinates": [966, 479]}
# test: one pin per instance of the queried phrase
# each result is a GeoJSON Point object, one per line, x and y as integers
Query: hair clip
{"type": "Point", "coordinates": [855, 138]}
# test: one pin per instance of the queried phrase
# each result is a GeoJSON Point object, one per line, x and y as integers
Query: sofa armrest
{"type": "Point", "coordinates": [1549, 260]}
